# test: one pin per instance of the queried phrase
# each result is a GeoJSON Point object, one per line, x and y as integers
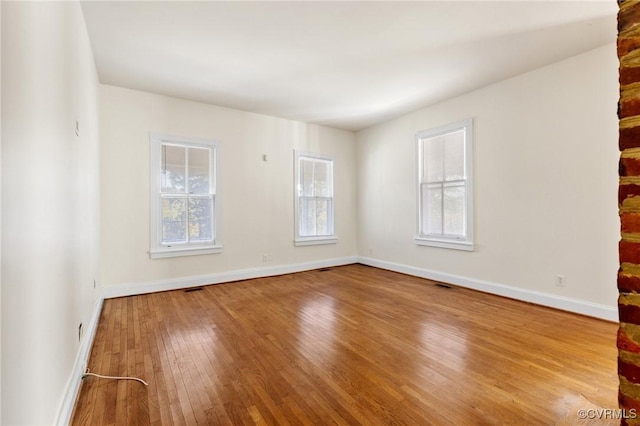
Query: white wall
{"type": "Point", "coordinates": [545, 182]}
{"type": "Point", "coordinates": [256, 197]}
{"type": "Point", "coordinates": [50, 204]}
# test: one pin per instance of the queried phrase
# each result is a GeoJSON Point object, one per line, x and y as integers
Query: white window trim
{"type": "Point", "coordinates": [466, 244]}
{"type": "Point", "coordinates": [314, 240]}
{"type": "Point", "coordinates": [157, 250]}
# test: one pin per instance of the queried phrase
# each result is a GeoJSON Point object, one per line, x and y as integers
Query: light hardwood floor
{"type": "Point", "coordinates": [349, 345]}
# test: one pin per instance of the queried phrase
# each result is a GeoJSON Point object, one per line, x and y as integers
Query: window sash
{"type": "Point", "coordinates": [188, 224]}
{"type": "Point", "coordinates": [444, 207]}
{"type": "Point", "coordinates": [314, 187]}
{"type": "Point", "coordinates": [188, 187]}
{"type": "Point", "coordinates": [315, 221]}
{"type": "Point", "coordinates": [189, 184]}
{"type": "Point", "coordinates": [183, 198]}
{"type": "Point", "coordinates": [314, 199]}
{"type": "Point", "coordinates": [445, 218]}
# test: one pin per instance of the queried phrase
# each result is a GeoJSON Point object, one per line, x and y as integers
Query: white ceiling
{"type": "Point", "coordinates": [343, 64]}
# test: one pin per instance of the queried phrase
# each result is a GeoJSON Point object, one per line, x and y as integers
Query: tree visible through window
{"type": "Point", "coordinates": [187, 199]}
{"type": "Point", "coordinates": [183, 195]}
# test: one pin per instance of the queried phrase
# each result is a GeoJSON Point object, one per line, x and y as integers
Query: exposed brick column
{"type": "Point", "coordinates": [629, 204]}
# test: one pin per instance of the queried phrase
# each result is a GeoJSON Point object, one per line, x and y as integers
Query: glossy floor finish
{"type": "Point", "coordinates": [350, 345]}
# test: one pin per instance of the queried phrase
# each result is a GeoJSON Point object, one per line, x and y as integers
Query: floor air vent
{"type": "Point", "coordinates": [443, 285]}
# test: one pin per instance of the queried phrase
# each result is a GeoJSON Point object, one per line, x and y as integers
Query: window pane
{"type": "Point", "coordinates": [323, 217]}
{"type": "Point", "coordinates": [432, 208]}
{"type": "Point", "coordinates": [454, 155]}
{"type": "Point", "coordinates": [454, 223]}
{"type": "Point", "coordinates": [173, 169]}
{"type": "Point", "coordinates": [199, 171]}
{"type": "Point", "coordinates": [200, 228]}
{"type": "Point", "coordinates": [330, 230]}
{"type": "Point", "coordinates": [306, 178]}
{"type": "Point", "coordinates": [174, 220]}
{"type": "Point", "coordinates": [322, 178]}
{"type": "Point", "coordinates": [433, 152]}
{"type": "Point", "coordinates": [307, 212]}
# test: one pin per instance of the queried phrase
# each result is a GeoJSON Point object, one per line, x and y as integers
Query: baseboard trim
{"type": "Point", "coordinates": [131, 289]}
{"type": "Point", "coordinates": [539, 298]}
{"type": "Point", "coordinates": [545, 299]}
{"type": "Point", "coordinates": [554, 301]}
{"type": "Point", "coordinates": [79, 367]}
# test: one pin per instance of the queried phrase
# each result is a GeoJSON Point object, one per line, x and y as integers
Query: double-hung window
{"type": "Point", "coordinates": [445, 205]}
{"type": "Point", "coordinates": [183, 196]}
{"type": "Point", "coordinates": [314, 202]}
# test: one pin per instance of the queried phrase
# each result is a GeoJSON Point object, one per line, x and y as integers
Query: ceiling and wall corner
{"type": "Point", "coordinates": [342, 64]}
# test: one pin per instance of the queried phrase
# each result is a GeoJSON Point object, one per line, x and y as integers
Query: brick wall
{"type": "Point", "coordinates": [629, 204]}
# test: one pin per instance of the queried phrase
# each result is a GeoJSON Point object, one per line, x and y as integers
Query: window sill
{"type": "Point", "coordinates": [312, 241]}
{"type": "Point", "coordinates": [442, 243]}
{"type": "Point", "coordinates": [183, 251]}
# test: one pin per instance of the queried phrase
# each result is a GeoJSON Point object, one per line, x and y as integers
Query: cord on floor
{"type": "Point", "coordinates": [87, 373]}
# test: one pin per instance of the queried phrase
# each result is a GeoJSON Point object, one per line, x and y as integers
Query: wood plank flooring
{"type": "Point", "coordinates": [350, 345]}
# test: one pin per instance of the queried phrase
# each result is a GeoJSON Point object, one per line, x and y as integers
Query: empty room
{"type": "Point", "coordinates": [420, 213]}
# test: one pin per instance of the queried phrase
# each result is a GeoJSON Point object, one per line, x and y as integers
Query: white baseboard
{"type": "Point", "coordinates": [545, 299]}
{"type": "Point", "coordinates": [122, 290]}
{"type": "Point", "coordinates": [73, 385]}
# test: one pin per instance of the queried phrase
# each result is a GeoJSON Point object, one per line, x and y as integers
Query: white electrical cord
{"type": "Point", "coordinates": [87, 373]}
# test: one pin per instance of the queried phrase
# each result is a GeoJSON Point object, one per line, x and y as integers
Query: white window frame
{"type": "Point", "coordinates": [319, 239]}
{"type": "Point", "coordinates": [157, 249]}
{"type": "Point", "coordinates": [441, 240]}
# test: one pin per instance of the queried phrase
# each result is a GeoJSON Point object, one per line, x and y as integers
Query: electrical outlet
{"type": "Point", "coordinates": [267, 257]}
{"type": "Point", "coordinates": [559, 281]}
